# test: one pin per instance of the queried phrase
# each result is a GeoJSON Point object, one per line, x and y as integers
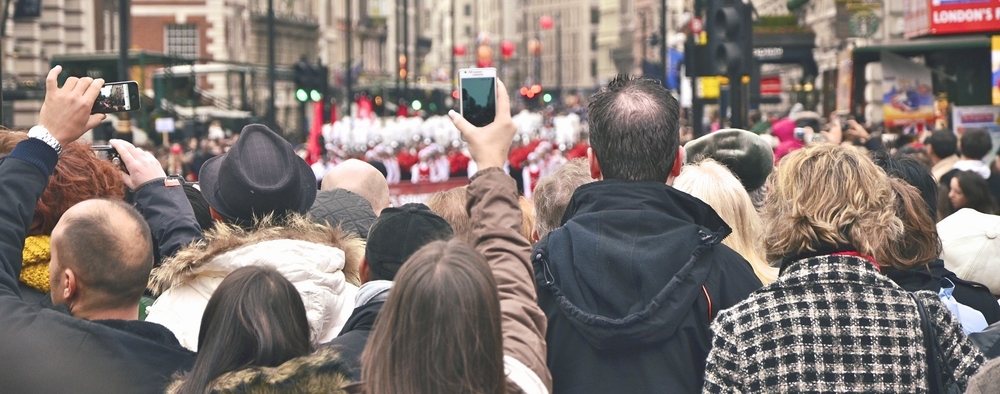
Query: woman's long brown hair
{"type": "Point", "coordinates": [439, 331]}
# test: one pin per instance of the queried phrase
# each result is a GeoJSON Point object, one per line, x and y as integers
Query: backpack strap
{"type": "Point", "coordinates": [709, 299]}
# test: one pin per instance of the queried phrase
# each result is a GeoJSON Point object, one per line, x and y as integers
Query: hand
{"type": "Point", "coordinates": [66, 110]}
{"type": "Point", "coordinates": [142, 166]}
{"type": "Point", "coordinates": [835, 134]}
{"type": "Point", "coordinates": [489, 145]}
{"type": "Point", "coordinates": [856, 130]}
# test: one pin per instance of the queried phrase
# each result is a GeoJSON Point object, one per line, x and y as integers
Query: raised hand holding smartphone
{"type": "Point", "coordinates": [478, 95]}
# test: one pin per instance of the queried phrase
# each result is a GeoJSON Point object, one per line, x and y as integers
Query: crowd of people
{"type": "Point", "coordinates": [723, 265]}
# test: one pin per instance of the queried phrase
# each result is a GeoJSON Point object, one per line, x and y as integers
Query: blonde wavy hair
{"type": "Point", "coordinates": [826, 196]}
{"type": "Point", "coordinates": [714, 184]}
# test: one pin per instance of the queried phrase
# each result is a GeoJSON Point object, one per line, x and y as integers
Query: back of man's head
{"type": "Point", "coordinates": [976, 143]}
{"type": "Point", "coordinates": [943, 143]}
{"type": "Point", "coordinates": [397, 234]}
{"type": "Point", "coordinates": [553, 192]}
{"type": "Point", "coordinates": [362, 179]}
{"type": "Point", "coordinates": [634, 130]}
{"type": "Point", "coordinates": [108, 247]}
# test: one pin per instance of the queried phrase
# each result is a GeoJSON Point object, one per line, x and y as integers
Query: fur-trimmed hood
{"type": "Point", "coordinates": [227, 237]}
{"type": "Point", "coordinates": [321, 262]}
{"type": "Point", "coordinates": [320, 372]}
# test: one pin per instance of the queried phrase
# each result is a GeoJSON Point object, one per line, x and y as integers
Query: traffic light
{"type": "Point", "coordinates": [320, 81]}
{"type": "Point", "coordinates": [547, 98]}
{"type": "Point", "coordinates": [531, 94]}
{"type": "Point", "coordinates": [730, 30]}
{"type": "Point", "coordinates": [402, 66]}
{"type": "Point", "coordinates": [303, 80]}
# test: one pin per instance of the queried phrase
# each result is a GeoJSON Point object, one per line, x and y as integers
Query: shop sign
{"type": "Point", "coordinates": [995, 68]}
{"type": "Point", "coordinates": [770, 86]}
{"type": "Point", "coordinates": [937, 17]}
{"type": "Point", "coordinates": [908, 98]}
{"type": "Point", "coordinates": [978, 117]}
{"type": "Point", "coordinates": [845, 81]}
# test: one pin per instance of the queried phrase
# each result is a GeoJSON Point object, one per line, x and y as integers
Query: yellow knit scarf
{"type": "Point", "coordinates": [35, 263]}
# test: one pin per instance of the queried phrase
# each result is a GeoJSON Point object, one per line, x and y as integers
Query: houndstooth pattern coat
{"type": "Point", "coordinates": [833, 324]}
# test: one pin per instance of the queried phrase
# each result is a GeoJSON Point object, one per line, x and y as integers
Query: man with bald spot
{"type": "Point", "coordinates": [360, 178]}
{"type": "Point", "coordinates": [101, 257]}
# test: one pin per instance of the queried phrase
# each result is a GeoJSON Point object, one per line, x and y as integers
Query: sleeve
{"type": "Point", "coordinates": [723, 369]}
{"type": "Point", "coordinates": [24, 174]}
{"type": "Point", "coordinates": [169, 214]}
{"type": "Point", "coordinates": [496, 217]}
{"type": "Point", "coordinates": [962, 358]}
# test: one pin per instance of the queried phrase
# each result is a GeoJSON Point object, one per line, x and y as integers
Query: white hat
{"type": "Point", "coordinates": [971, 246]}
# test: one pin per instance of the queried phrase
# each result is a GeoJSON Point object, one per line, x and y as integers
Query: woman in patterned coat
{"type": "Point", "coordinates": [831, 322]}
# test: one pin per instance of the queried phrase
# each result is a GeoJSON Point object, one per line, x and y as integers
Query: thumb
{"type": "Point", "coordinates": [95, 120]}
{"type": "Point", "coordinates": [128, 181]}
{"type": "Point", "coordinates": [461, 123]}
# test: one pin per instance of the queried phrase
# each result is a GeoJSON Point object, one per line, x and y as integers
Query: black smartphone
{"type": "Point", "coordinates": [479, 95]}
{"type": "Point", "coordinates": [117, 97]}
{"type": "Point", "coordinates": [109, 153]}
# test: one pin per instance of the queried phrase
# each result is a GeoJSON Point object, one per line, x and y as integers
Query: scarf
{"type": "Point", "coordinates": [35, 262]}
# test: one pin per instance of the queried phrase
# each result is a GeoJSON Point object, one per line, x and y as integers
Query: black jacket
{"type": "Point", "coordinates": [971, 294]}
{"type": "Point", "coordinates": [354, 337]}
{"type": "Point", "coordinates": [49, 351]}
{"type": "Point", "coordinates": [622, 286]}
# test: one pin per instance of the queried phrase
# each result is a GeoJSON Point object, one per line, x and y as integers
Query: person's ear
{"type": "Point", "coordinates": [595, 167]}
{"type": "Point", "coordinates": [364, 272]}
{"type": "Point", "coordinates": [215, 215]}
{"type": "Point", "coordinates": [71, 289]}
{"type": "Point", "coordinates": [534, 235]}
{"type": "Point", "coordinates": [678, 162]}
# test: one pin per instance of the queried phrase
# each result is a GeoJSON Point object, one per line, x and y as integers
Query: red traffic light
{"type": "Point", "coordinates": [454, 94]}
{"type": "Point", "coordinates": [531, 92]}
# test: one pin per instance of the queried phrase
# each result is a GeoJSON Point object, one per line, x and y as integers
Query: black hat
{"type": "Point", "coordinates": [746, 154]}
{"type": "Point", "coordinates": [400, 232]}
{"type": "Point", "coordinates": [260, 175]}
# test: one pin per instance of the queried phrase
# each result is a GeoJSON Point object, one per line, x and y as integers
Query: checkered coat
{"type": "Point", "coordinates": [832, 324]}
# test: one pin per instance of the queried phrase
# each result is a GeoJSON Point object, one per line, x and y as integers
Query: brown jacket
{"type": "Point", "coordinates": [496, 227]}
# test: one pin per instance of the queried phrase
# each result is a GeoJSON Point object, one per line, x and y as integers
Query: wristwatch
{"type": "Point", "coordinates": [41, 133]}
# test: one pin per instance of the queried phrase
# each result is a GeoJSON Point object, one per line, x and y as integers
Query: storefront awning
{"type": "Point", "coordinates": [929, 44]}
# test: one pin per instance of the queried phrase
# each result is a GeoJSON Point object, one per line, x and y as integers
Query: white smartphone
{"type": "Point", "coordinates": [479, 95]}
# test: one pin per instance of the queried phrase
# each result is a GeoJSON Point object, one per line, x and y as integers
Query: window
{"type": "Point", "coordinates": [593, 41]}
{"type": "Point", "coordinates": [468, 31]}
{"type": "Point", "coordinates": [181, 40]}
{"type": "Point", "coordinates": [468, 10]}
{"type": "Point", "coordinates": [595, 15]}
{"type": "Point", "coordinates": [593, 68]}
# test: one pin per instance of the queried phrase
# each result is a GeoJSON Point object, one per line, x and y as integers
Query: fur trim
{"type": "Point", "coordinates": [228, 237]}
{"type": "Point", "coordinates": [321, 372]}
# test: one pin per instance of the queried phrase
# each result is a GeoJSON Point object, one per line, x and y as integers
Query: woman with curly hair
{"type": "Point", "coordinates": [832, 322]}
{"type": "Point", "coordinates": [79, 176]}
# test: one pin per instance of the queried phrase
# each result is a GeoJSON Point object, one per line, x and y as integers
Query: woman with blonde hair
{"type": "Point", "coordinates": [714, 184]}
{"type": "Point", "coordinates": [832, 322]}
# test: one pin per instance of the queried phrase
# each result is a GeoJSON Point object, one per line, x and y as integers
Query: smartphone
{"type": "Point", "coordinates": [109, 153]}
{"type": "Point", "coordinates": [479, 95]}
{"type": "Point", "coordinates": [117, 97]}
{"type": "Point", "coordinates": [800, 133]}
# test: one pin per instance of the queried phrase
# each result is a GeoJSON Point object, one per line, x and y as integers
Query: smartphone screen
{"type": "Point", "coordinates": [479, 95]}
{"type": "Point", "coordinates": [117, 97]}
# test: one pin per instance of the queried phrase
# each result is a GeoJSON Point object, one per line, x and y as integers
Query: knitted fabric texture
{"type": "Point", "coordinates": [833, 324]}
{"type": "Point", "coordinates": [35, 262]}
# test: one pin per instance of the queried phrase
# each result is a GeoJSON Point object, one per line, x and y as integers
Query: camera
{"type": "Point", "coordinates": [109, 153]}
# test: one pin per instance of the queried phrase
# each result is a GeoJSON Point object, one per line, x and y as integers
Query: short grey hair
{"type": "Point", "coordinates": [553, 192]}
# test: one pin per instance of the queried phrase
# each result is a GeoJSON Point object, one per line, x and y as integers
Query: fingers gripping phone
{"type": "Point", "coordinates": [117, 97]}
{"type": "Point", "coordinates": [479, 95]}
{"type": "Point", "coordinates": [109, 153]}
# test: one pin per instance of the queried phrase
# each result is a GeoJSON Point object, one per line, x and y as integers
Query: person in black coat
{"type": "Point", "coordinates": [636, 273]}
{"type": "Point", "coordinates": [394, 237]}
{"type": "Point", "coordinates": [91, 341]}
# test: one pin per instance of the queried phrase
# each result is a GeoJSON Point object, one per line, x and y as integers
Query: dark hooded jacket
{"type": "Point", "coordinates": [629, 285]}
{"type": "Point", "coordinates": [971, 294]}
{"type": "Point", "coordinates": [353, 338]}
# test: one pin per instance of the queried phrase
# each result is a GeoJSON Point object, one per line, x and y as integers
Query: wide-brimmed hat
{"type": "Point", "coordinates": [746, 154]}
{"type": "Point", "coordinates": [259, 176]}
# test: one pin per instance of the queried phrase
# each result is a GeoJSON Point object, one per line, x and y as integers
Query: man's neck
{"type": "Point", "coordinates": [108, 314]}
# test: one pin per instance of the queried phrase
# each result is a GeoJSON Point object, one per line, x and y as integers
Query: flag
{"type": "Point", "coordinates": [312, 148]}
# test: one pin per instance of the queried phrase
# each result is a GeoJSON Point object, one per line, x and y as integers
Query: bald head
{"type": "Point", "coordinates": [361, 178]}
{"type": "Point", "coordinates": [108, 248]}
